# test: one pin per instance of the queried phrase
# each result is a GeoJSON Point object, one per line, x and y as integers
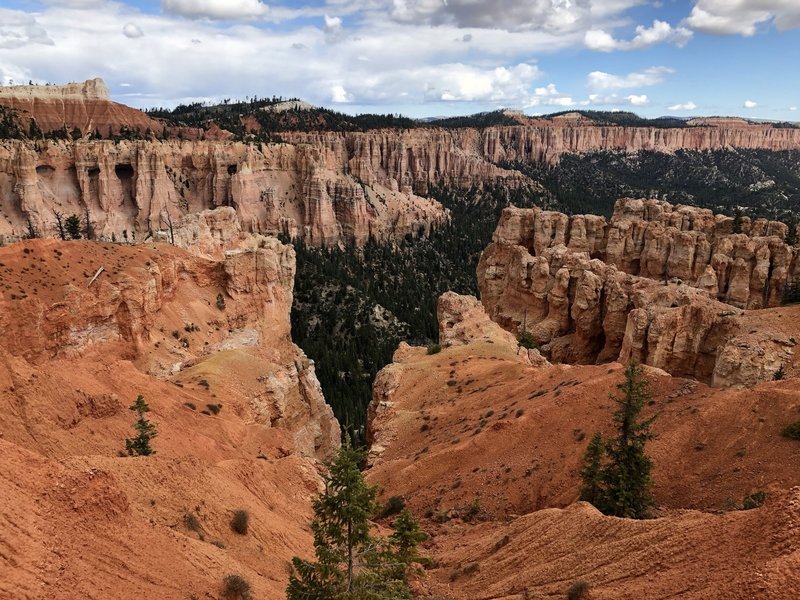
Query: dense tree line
{"type": "Point", "coordinates": [764, 183]}
{"type": "Point", "coordinates": [353, 306]}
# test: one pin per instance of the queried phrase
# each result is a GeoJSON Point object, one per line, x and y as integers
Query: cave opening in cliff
{"type": "Point", "coordinates": [232, 169]}
{"type": "Point", "coordinates": [123, 172]}
{"type": "Point", "coordinates": [94, 172]}
{"type": "Point", "coordinates": [44, 170]}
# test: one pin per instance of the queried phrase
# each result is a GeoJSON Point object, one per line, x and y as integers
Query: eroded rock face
{"type": "Point", "coordinates": [171, 312]}
{"type": "Point", "coordinates": [656, 240]}
{"type": "Point", "coordinates": [661, 284]}
{"type": "Point", "coordinates": [136, 189]}
{"type": "Point", "coordinates": [543, 140]}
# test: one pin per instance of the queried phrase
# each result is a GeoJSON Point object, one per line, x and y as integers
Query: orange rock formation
{"type": "Point", "coordinates": [658, 283]}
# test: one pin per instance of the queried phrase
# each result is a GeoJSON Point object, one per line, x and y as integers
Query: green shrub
{"type": "Point", "coordinates": [434, 349]}
{"type": "Point", "coordinates": [220, 301]}
{"type": "Point", "coordinates": [578, 591]}
{"type": "Point", "coordinates": [240, 521]}
{"type": "Point", "coordinates": [393, 506]}
{"type": "Point", "coordinates": [192, 522]}
{"type": "Point", "coordinates": [754, 500]}
{"type": "Point", "coordinates": [526, 340]}
{"type": "Point", "coordinates": [792, 431]}
{"type": "Point", "coordinates": [236, 587]}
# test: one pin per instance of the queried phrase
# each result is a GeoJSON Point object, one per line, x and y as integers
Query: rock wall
{"type": "Point", "coordinates": [664, 285]}
{"type": "Point", "coordinates": [235, 309]}
{"type": "Point", "coordinates": [137, 189]}
{"type": "Point", "coordinates": [545, 141]}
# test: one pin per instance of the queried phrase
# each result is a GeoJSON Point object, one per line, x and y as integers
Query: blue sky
{"type": "Point", "coordinates": [420, 57]}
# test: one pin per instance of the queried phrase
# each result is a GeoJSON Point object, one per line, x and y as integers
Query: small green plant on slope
{"type": "Point", "coordinates": [527, 341]}
{"type": "Point", "coordinates": [351, 563]}
{"type": "Point", "coordinates": [624, 483]}
{"type": "Point", "coordinates": [792, 431]}
{"type": "Point", "coordinates": [145, 430]}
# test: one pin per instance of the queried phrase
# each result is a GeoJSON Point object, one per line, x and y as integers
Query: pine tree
{"type": "Point", "coordinates": [145, 430]}
{"type": "Point", "coordinates": [591, 472]}
{"type": "Point", "coordinates": [73, 225]}
{"type": "Point", "coordinates": [406, 538]}
{"type": "Point", "coordinates": [351, 564]}
{"type": "Point", "coordinates": [626, 478]}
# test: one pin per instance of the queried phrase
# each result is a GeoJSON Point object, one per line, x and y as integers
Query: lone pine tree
{"type": "Point", "coordinates": [351, 563]}
{"type": "Point", "coordinates": [621, 485]}
{"type": "Point", "coordinates": [145, 430]}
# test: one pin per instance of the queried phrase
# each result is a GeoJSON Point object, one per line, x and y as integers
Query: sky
{"type": "Point", "coordinates": [421, 58]}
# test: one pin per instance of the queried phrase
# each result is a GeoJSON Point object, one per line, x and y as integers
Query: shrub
{"type": "Point", "coordinates": [240, 521]}
{"type": "Point", "coordinates": [754, 500]}
{"type": "Point", "coordinates": [779, 374]}
{"type": "Point", "coordinates": [192, 522]}
{"type": "Point", "coordinates": [393, 506]}
{"type": "Point", "coordinates": [214, 408]}
{"type": "Point", "coordinates": [220, 301]}
{"type": "Point", "coordinates": [792, 431]}
{"type": "Point", "coordinates": [527, 341]}
{"type": "Point", "coordinates": [434, 349]}
{"type": "Point", "coordinates": [236, 586]}
{"type": "Point", "coordinates": [578, 591]}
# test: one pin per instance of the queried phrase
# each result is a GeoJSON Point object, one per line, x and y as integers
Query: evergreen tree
{"type": "Point", "coordinates": [145, 430]}
{"type": "Point", "coordinates": [405, 538]}
{"type": "Point", "coordinates": [626, 478]}
{"type": "Point", "coordinates": [351, 564]}
{"type": "Point", "coordinates": [73, 225]}
{"type": "Point", "coordinates": [591, 472]}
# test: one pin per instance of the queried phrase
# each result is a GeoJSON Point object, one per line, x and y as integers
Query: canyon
{"type": "Point", "coordinates": [184, 296]}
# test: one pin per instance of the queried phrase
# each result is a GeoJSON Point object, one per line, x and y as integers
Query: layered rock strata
{"type": "Point", "coordinates": [665, 285]}
{"type": "Point", "coordinates": [133, 190]}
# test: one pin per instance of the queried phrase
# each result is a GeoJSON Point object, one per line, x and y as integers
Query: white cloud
{"type": "Point", "coordinates": [615, 100]}
{"type": "Point", "coordinates": [661, 31]}
{"type": "Point", "coordinates": [216, 9]}
{"type": "Point", "coordinates": [553, 16]}
{"type": "Point", "coordinates": [792, 108]}
{"type": "Point", "coordinates": [728, 17]}
{"type": "Point", "coordinates": [599, 80]}
{"type": "Point", "coordinates": [750, 104]}
{"type": "Point", "coordinates": [18, 29]}
{"type": "Point", "coordinates": [549, 96]}
{"type": "Point", "coordinates": [464, 83]}
{"type": "Point", "coordinates": [132, 30]}
{"type": "Point", "coordinates": [640, 100]}
{"type": "Point", "coordinates": [684, 106]}
{"type": "Point", "coordinates": [339, 95]}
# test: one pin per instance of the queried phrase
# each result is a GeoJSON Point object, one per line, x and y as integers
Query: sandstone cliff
{"type": "Point", "coordinates": [174, 316]}
{"type": "Point", "coordinates": [662, 284]}
{"type": "Point", "coordinates": [137, 189]}
{"type": "Point", "coordinates": [542, 140]}
{"type": "Point", "coordinates": [85, 106]}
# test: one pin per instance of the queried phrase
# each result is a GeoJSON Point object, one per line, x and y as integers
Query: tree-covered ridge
{"type": "Point", "coordinates": [239, 118]}
{"type": "Point", "coordinates": [623, 118]}
{"type": "Point", "coordinates": [482, 120]}
{"type": "Point", "coordinates": [353, 306]}
{"type": "Point", "coordinates": [764, 183]}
